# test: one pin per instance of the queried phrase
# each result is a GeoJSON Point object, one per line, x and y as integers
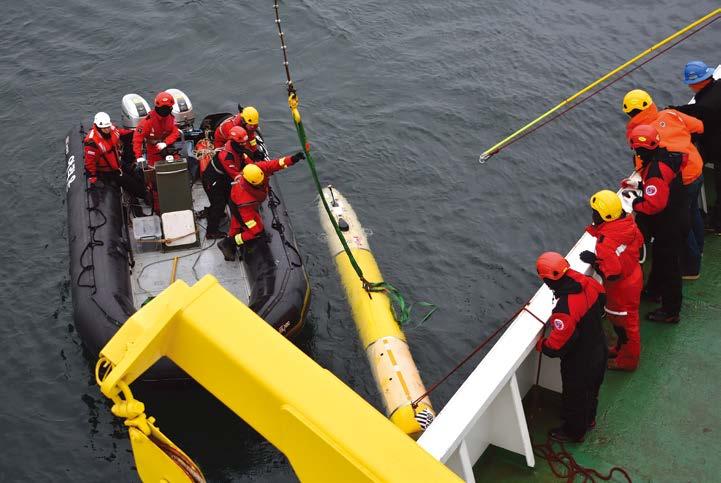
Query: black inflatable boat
{"type": "Point", "coordinates": [122, 254]}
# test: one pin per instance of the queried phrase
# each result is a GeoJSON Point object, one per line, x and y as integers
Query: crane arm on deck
{"type": "Point", "coordinates": [327, 431]}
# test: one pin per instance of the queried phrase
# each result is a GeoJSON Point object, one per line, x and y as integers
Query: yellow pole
{"type": "Point", "coordinates": [490, 151]}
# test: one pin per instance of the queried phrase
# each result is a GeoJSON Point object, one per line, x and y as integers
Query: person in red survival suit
{"type": "Point", "coordinates": [663, 201]}
{"type": "Point", "coordinates": [157, 129]}
{"type": "Point", "coordinates": [578, 339]}
{"type": "Point", "coordinates": [246, 195]}
{"type": "Point", "coordinates": [247, 118]}
{"type": "Point", "coordinates": [102, 156]}
{"type": "Point", "coordinates": [225, 166]}
{"type": "Point", "coordinates": [618, 244]}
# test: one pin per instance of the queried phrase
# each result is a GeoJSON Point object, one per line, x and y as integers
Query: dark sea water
{"type": "Point", "coordinates": [398, 99]}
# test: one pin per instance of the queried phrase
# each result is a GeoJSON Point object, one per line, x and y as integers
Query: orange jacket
{"type": "Point", "coordinates": [675, 129]}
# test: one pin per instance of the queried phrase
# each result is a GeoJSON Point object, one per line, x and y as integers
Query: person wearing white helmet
{"type": "Point", "coordinates": [102, 156]}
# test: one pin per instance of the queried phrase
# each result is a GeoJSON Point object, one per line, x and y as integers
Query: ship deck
{"type": "Point", "coordinates": [660, 423]}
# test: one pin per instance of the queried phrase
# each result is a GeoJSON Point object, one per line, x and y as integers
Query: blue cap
{"type": "Point", "coordinates": [696, 71]}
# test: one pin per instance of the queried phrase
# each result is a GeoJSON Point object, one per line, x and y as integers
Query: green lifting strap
{"type": "Point", "coordinates": [403, 314]}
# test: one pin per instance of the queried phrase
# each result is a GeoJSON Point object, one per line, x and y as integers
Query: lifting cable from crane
{"type": "Point", "coordinates": [534, 125]}
{"type": "Point", "coordinates": [403, 313]}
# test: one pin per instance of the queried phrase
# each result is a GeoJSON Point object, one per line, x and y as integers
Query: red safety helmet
{"type": "Point", "coordinates": [551, 265]}
{"type": "Point", "coordinates": [238, 134]}
{"type": "Point", "coordinates": [644, 136]}
{"type": "Point", "coordinates": [164, 99]}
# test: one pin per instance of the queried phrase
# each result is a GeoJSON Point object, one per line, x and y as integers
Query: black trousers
{"type": "Point", "coordinates": [665, 278]}
{"type": "Point", "coordinates": [217, 187]}
{"type": "Point", "coordinates": [128, 181]}
{"type": "Point", "coordinates": [582, 379]}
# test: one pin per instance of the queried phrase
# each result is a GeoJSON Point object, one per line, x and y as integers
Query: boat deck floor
{"type": "Point", "coordinates": [152, 271]}
{"type": "Point", "coordinates": [660, 423]}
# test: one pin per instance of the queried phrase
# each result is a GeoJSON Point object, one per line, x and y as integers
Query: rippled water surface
{"type": "Point", "coordinates": [398, 100]}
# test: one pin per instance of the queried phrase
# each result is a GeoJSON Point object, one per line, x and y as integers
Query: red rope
{"type": "Point", "coordinates": [578, 103]}
{"type": "Point", "coordinates": [480, 346]}
{"type": "Point", "coordinates": [565, 467]}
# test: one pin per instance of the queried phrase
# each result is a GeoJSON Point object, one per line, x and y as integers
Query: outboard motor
{"type": "Point", "coordinates": [182, 109]}
{"type": "Point", "coordinates": [134, 108]}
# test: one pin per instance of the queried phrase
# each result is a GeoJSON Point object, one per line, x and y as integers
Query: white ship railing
{"type": "Point", "coordinates": [487, 408]}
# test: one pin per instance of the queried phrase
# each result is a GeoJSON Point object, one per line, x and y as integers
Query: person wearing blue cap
{"type": "Point", "coordinates": [699, 77]}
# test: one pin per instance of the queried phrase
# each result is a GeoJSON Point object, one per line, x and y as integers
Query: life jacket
{"type": "Point", "coordinates": [675, 129]}
{"type": "Point", "coordinates": [222, 132]}
{"type": "Point", "coordinates": [228, 162]}
{"type": "Point", "coordinates": [107, 157]}
{"type": "Point", "coordinates": [154, 129]}
{"type": "Point", "coordinates": [618, 247]}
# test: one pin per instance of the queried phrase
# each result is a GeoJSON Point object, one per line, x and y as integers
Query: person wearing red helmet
{"type": "Point", "coordinates": [102, 156]}
{"type": "Point", "coordinates": [663, 202]}
{"type": "Point", "coordinates": [248, 192]}
{"type": "Point", "coordinates": [616, 260]}
{"type": "Point", "coordinates": [225, 166]}
{"type": "Point", "coordinates": [157, 130]}
{"type": "Point", "coordinates": [577, 338]}
{"type": "Point", "coordinates": [675, 130]}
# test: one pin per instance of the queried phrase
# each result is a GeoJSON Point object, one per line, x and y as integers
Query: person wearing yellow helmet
{"type": "Point", "coordinates": [247, 118]}
{"type": "Point", "coordinates": [616, 260]}
{"type": "Point", "coordinates": [249, 190]}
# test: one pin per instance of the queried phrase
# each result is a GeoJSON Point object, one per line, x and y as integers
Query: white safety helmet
{"type": "Point", "coordinates": [102, 120]}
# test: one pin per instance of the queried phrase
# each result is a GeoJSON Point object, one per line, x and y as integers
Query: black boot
{"type": "Point", "coordinates": [229, 248]}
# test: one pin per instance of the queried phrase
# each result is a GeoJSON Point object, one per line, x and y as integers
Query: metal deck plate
{"type": "Point", "coordinates": [151, 274]}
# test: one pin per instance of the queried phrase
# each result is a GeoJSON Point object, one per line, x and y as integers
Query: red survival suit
{"type": "Point", "coordinates": [675, 129]}
{"type": "Point", "coordinates": [225, 166]}
{"type": "Point", "coordinates": [102, 159]}
{"type": "Point", "coordinates": [222, 134]}
{"type": "Point", "coordinates": [578, 339]}
{"type": "Point", "coordinates": [664, 202]}
{"type": "Point", "coordinates": [154, 129]}
{"type": "Point", "coordinates": [618, 247]}
{"type": "Point", "coordinates": [245, 199]}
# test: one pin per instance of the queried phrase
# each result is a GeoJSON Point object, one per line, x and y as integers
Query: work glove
{"type": "Point", "coordinates": [297, 157]}
{"type": "Point", "coordinates": [161, 146]}
{"type": "Point", "coordinates": [587, 256]}
{"type": "Point", "coordinates": [141, 162]}
{"type": "Point", "coordinates": [630, 183]}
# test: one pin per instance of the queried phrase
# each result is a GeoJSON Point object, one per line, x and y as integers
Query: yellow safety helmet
{"type": "Point", "coordinates": [607, 204]}
{"type": "Point", "coordinates": [250, 115]}
{"type": "Point", "coordinates": [636, 99]}
{"type": "Point", "coordinates": [253, 174]}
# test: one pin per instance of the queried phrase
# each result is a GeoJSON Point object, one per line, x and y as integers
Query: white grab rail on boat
{"type": "Point", "coordinates": [487, 408]}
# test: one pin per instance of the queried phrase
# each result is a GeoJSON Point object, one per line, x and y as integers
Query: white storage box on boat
{"type": "Point", "coordinates": [133, 108]}
{"type": "Point", "coordinates": [147, 228]}
{"type": "Point", "coordinates": [179, 228]}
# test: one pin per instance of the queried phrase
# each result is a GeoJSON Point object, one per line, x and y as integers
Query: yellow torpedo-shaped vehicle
{"type": "Point", "coordinates": [385, 344]}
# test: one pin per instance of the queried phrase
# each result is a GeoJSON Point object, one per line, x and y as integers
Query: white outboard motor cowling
{"type": "Point", "coordinates": [182, 109]}
{"type": "Point", "coordinates": [134, 108]}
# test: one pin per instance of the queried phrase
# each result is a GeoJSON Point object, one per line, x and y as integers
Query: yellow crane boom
{"type": "Point", "coordinates": [326, 430]}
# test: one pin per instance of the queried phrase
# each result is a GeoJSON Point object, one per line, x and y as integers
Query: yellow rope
{"type": "Point", "coordinates": [492, 150]}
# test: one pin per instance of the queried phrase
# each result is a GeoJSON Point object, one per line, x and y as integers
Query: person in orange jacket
{"type": "Point", "coordinates": [247, 118]}
{"type": "Point", "coordinates": [102, 156]}
{"type": "Point", "coordinates": [157, 129]}
{"type": "Point", "coordinates": [246, 195]}
{"type": "Point", "coordinates": [675, 129]}
{"type": "Point", "coordinates": [616, 260]}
